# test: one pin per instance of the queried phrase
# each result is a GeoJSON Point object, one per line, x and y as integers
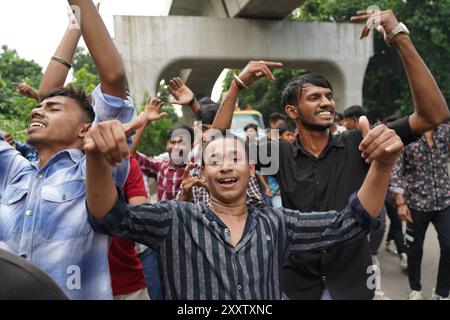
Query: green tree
{"type": "Point", "coordinates": [15, 108]}
{"type": "Point", "coordinates": [386, 89]}
{"type": "Point", "coordinates": [84, 71]}
{"type": "Point", "coordinates": [155, 135]}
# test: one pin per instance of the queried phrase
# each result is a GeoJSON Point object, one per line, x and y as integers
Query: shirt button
{"type": "Point", "coordinates": [39, 176]}
{"type": "Point", "coordinates": [239, 287]}
{"type": "Point", "coordinates": [324, 278]}
{"type": "Point", "coordinates": [268, 238]}
{"type": "Point", "coordinates": [64, 196]}
{"type": "Point", "coordinates": [28, 213]}
{"type": "Point", "coordinates": [324, 251]}
{"type": "Point", "coordinates": [226, 230]}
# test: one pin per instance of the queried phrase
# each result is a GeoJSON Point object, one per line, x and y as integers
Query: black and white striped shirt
{"type": "Point", "coordinates": [198, 260]}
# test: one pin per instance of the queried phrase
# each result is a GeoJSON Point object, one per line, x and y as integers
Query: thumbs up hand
{"type": "Point", "coordinates": [380, 144]}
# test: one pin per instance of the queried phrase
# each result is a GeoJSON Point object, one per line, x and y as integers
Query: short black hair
{"type": "Point", "coordinates": [183, 128]}
{"type": "Point", "coordinates": [354, 112]}
{"type": "Point", "coordinates": [251, 125]}
{"type": "Point", "coordinates": [293, 91]}
{"type": "Point", "coordinates": [339, 116]}
{"type": "Point", "coordinates": [76, 94]}
{"type": "Point", "coordinates": [274, 117]}
{"type": "Point", "coordinates": [282, 128]}
{"type": "Point", "coordinates": [225, 134]}
{"type": "Point", "coordinates": [208, 111]}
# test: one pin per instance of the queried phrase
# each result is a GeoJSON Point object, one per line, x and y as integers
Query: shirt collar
{"type": "Point", "coordinates": [333, 141]}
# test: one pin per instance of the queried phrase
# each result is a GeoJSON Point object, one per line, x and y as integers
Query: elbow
{"type": "Point", "coordinates": [115, 78]}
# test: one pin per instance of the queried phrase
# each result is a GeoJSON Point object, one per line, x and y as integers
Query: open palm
{"type": "Point", "coordinates": [181, 92]}
{"type": "Point", "coordinates": [153, 108]}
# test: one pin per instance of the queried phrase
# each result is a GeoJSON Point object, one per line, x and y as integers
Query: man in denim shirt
{"type": "Point", "coordinates": [43, 214]}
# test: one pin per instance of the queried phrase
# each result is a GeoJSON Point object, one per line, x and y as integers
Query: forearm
{"type": "Point", "coordinates": [195, 106]}
{"type": "Point", "coordinates": [430, 107]}
{"type": "Point", "coordinates": [56, 74]}
{"type": "Point", "coordinates": [373, 191]}
{"type": "Point", "coordinates": [100, 187]}
{"type": "Point", "coordinates": [224, 117]}
{"type": "Point", "coordinates": [137, 138]}
{"type": "Point", "coordinates": [263, 181]}
{"type": "Point", "coordinates": [103, 51]}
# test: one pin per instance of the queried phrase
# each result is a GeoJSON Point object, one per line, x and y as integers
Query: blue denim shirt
{"type": "Point", "coordinates": [43, 216]}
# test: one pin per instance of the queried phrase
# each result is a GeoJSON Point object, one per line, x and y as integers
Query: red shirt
{"type": "Point", "coordinates": [124, 264]}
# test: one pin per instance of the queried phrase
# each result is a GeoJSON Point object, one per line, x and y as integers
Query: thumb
{"type": "Point", "coordinates": [364, 125]}
{"type": "Point", "coordinates": [89, 144]}
{"type": "Point", "coordinates": [136, 124]}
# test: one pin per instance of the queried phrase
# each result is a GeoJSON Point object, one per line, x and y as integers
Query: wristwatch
{"type": "Point", "coordinates": [400, 28]}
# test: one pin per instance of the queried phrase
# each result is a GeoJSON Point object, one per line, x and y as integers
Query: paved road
{"type": "Point", "coordinates": [394, 282]}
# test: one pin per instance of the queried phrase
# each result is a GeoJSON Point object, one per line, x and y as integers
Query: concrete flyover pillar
{"type": "Point", "coordinates": [155, 48]}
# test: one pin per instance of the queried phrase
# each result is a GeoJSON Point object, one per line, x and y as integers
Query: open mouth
{"type": "Point", "coordinates": [227, 181]}
{"type": "Point", "coordinates": [37, 125]}
{"type": "Point", "coordinates": [324, 114]}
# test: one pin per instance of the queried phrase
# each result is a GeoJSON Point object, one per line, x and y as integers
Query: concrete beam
{"type": "Point", "coordinates": [156, 47]}
{"type": "Point", "coordinates": [261, 9]}
{"type": "Point", "coordinates": [255, 9]}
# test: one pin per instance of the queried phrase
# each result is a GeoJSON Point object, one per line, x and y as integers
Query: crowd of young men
{"type": "Point", "coordinates": [211, 232]}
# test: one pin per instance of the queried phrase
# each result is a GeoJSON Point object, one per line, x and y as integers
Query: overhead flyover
{"type": "Point", "coordinates": [202, 37]}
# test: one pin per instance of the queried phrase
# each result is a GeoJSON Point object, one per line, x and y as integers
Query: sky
{"type": "Point", "coordinates": [34, 27]}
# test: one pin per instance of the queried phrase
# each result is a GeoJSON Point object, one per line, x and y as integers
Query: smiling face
{"type": "Point", "coordinates": [226, 169]}
{"type": "Point", "coordinates": [58, 123]}
{"type": "Point", "coordinates": [315, 108]}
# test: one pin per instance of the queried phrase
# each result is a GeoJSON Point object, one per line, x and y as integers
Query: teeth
{"type": "Point", "coordinates": [228, 180]}
{"type": "Point", "coordinates": [324, 113]}
{"type": "Point", "coordinates": [37, 124]}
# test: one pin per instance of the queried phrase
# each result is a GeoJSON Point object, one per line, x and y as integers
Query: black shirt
{"type": "Point", "coordinates": [310, 183]}
{"type": "Point", "coordinates": [20, 280]}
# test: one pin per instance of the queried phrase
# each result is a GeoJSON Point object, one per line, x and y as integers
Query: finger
{"type": "Point", "coordinates": [363, 31]}
{"type": "Point", "coordinates": [149, 100]}
{"type": "Point", "coordinates": [188, 169]}
{"type": "Point", "coordinates": [364, 126]}
{"type": "Point", "coordinates": [381, 149]}
{"type": "Point", "coordinates": [111, 144]}
{"type": "Point", "coordinates": [101, 147]}
{"type": "Point", "coordinates": [121, 140]}
{"type": "Point", "coordinates": [89, 144]}
{"type": "Point", "coordinates": [372, 135]}
{"type": "Point", "coordinates": [162, 115]}
{"type": "Point", "coordinates": [179, 82]}
{"type": "Point", "coordinates": [377, 142]}
{"type": "Point", "coordinates": [136, 124]}
{"type": "Point", "coordinates": [268, 73]}
{"type": "Point", "coordinates": [360, 17]}
{"type": "Point", "coordinates": [273, 64]}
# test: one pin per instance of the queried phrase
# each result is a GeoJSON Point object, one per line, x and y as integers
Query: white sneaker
{"type": "Point", "coordinates": [415, 295]}
{"type": "Point", "coordinates": [391, 247]}
{"type": "Point", "coordinates": [380, 295]}
{"type": "Point", "coordinates": [404, 261]}
{"type": "Point", "coordinates": [435, 296]}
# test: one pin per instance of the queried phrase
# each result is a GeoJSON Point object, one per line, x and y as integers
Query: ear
{"type": "Point", "coordinates": [84, 130]}
{"type": "Point", "coordinates": [291, 111]}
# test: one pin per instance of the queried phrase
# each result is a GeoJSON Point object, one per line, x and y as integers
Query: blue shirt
{"type": "Point", "coordinates": [43, 216]}
{"type": "Point", "coordinates": [27, 151]}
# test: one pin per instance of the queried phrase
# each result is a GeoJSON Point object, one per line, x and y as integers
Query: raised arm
{"type": "Point", "coordinates": [183, 95]}
{"type": "Point", "coordinates": [105, 146]}
{"type": "Point", "coordinates": [152, 112]}
{"type": "Point", "coordinates": [102, 49]}
{"type": "Point", "coordinates": [252, 72]}
{"type": "Point", "coordinates": [430, 107]}
{"type": "Point", "coordinates": [57, 70]}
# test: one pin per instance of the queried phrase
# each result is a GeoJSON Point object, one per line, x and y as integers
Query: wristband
{"type": "Point", "coordinates": [63, 62]}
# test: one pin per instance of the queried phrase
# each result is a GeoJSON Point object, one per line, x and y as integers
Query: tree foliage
{"type": "Point", "coordinates": [386, 89]}
{"type": "Point", "coordinates": [15, 108]}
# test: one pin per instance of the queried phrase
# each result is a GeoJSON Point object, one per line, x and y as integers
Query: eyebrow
{"type": "Point", "coordinates": [50, 104]}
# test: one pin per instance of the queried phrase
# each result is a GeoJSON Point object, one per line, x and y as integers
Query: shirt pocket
{"type": "Point", "coordinates": [12, 209]}
{"type": "Point", "coordinates": [63, 213]}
